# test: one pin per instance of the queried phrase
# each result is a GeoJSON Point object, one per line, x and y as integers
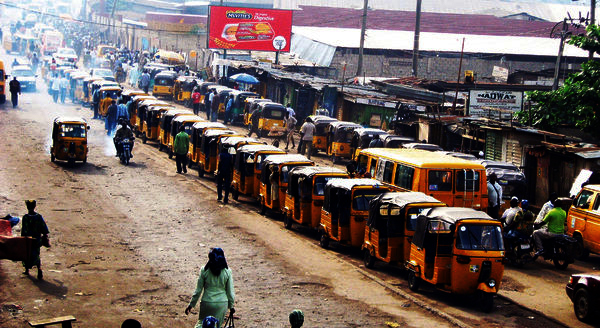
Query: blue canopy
{"type": "Point", "coordinates": [244, 78]}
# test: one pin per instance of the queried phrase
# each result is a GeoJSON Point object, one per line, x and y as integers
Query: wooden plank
{"type": "Point", "coordinates": [52, 321]}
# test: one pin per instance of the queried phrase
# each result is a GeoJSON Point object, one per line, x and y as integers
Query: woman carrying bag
{"type": "Point", "coordinates": [216, 281]}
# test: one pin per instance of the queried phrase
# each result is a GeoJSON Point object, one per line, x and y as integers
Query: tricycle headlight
{"type": "Point", "coordinates": [492, 283]}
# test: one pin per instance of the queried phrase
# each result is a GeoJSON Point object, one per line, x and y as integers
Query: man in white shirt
{"type": "Point", "coordinates": [547, 207]}
{"type": "Point", "coordinates": [307, 130]}
{"type": "Point", "coordinates": [494, 196]}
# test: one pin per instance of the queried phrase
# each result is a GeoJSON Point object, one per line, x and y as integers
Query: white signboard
{"type": "Point", "coordinates": [500, 74]}
{"type": "Point", "coordinates": [494, 104]}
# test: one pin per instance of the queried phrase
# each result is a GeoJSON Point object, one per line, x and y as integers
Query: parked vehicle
{"type": "Point", "coordinates": [164, 83]}
{"type": "Point", "coordinates": [454, 181]}
{"type": "Point", "coordinates": [107, 94]}
{"type": "Point", "coordinates": [362, 137]}
{"type": "Point", "coordinates": [247, 169]}
{"type": "Point", "coordinates": [198, 130]}
{"type": "Point", "coordinates": [239, 101]}
{"type": "Point", "coordinates": [69, 140]}
{"type": "Point", "coordinates": [321, 123]}
{"type": "Point", "coordinates": [511, 179]}
{"type": "Point", "coordinates": [152, 121]}
{"type": "Point", "coordinates": [207, 159]}
{"type": "Point", "coordinates": [422, 146]}
{"type": "Point", "coordinates": [164, 128]}
{"type": "Point", "coordinates": [283, 165]}
{"type": "Point", "coordinates": [141, 118]}
{"type": "Point", "coordinates": [394, 141]}
{"type": "Point", "coordinates": [339, 136]}
{"type": "Point", "coordinates": [182, 89]}
{"type": "Point", "coordinates": [458, 250]}
{"type": "Point", "coordinates": [345, 210]}
{"type": "Point", "coordinates": [584, 290]}
{"type": "Point", "coordinates": [25, 76]}
{"type": "Point", "coordinates": [391, 226]}
{"type": "Point", "coordinates": [2, 83]}
{"type": "Point", "coordinates": [583, 221]}
{"type": "Point", "coordinates": [305, 194]}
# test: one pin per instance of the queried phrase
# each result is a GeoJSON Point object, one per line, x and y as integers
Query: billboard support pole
{"type": "Point", "coordinates": [276, 57]}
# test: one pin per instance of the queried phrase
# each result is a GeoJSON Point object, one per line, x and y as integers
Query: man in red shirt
{"type": "Point", "coordinates": [196, 100]}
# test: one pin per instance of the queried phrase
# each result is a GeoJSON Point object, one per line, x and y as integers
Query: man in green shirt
{"type": "Point", "coordinates": [180, 147]}
{"type": "Point", "coordinates": [554, 224]}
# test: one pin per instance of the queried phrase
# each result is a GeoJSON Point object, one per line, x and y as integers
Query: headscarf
{"type": "Point", "coordinates": [216, 261]}
{"type": "Point", "coordinates": [296, 318]}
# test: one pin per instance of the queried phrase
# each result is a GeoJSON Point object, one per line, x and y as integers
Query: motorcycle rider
{"type": "Point", "coordinates": [553, 225]}
{"type": "Point", "coordinates": [547, 207]}
{"type": "Point", "coordinates": [123, 132]}
{"type": "Point", "coordinates": [522, 224]}
{"type": "Point", "coordinates": [509, 214]}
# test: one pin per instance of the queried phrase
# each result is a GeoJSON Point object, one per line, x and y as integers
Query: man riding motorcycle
{"type": "Point", "coordinates": [553, 224]}
{"type": "Point", "coordinates": [123, 132]}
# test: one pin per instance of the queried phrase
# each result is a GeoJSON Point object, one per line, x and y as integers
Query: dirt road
{"type": "Point", "coordinates": [128, 241]}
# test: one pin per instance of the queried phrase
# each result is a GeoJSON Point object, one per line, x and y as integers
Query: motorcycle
{"type": "Point", "coordinates": [126, 147]}
{"type": "Point", "coordinates": [559, 249]}
{"type": "Point", "coordinates": [518, 248]}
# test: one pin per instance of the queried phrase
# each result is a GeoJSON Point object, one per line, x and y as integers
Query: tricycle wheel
{"type": "Point", "coordinates": [414, 282]}
{"type": "Point", "coordinates": [170, 154]}
{"type": "Point", "coordinates": [263, 207]}
{"type": "Point", "coordinates": [560, 259]}
{"type": "Point", "coordinates": [324, 240]}
{"type": "Point", "coordinates": [486, 302]}
{"type": "Point", "coordinates": [583, 306]}
{"type": "Point", "coordinates": [580, 252]}
{"type": "Point", "coordinates": [201, 171]}
{"type": "Point", "coordinates": [287, 221]}
{"type": "Point", "coordinates": [85, 160]}
{"type": "Point", "coordinates": [52, 158]}
{"type": "Point", "coordinates": [71, 162]}
{"type": "Point", "coordinates": [368, 259]}
{"type": "Point", "coordinates": [144, 138]}
{"type": "Point", "coordinates": [235, 194]}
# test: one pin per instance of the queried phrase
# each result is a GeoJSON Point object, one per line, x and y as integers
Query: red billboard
{"type": "Point", "coordinates": [249, 29]}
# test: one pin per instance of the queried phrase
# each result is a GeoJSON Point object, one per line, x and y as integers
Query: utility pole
{"type": "Point", "coordinates": [592, 21]}
{"type": "Point", "coordinates": [363, 29]}
{"type": "Point", "coordinates": [112, 16]}
{"type": "Point", "coordinates": [462, 50]}
{"type": "Point", "coordinates": [563, 36]}
{"type": "Point", "coordinates": [416, 44]}
{"type": "Point", "coordinates": [224, 50]}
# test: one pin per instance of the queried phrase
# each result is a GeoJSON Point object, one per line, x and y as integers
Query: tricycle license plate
{"type": "Point", "coordinates": [525, 246]}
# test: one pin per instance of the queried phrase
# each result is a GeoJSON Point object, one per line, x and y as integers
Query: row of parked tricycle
{"type": "Point", "coordinates": [455, 249]}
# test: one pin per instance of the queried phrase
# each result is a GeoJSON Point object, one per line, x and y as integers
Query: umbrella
{"type": "Point", "coordinates": [244, 78]}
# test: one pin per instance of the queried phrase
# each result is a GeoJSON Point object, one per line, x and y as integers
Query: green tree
{"type": "Point", "coordinates": [576, 102]}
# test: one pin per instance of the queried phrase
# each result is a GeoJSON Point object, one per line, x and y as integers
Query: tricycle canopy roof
{"type": "Point", "coordinates": [252, 149]}
{"type": "Point", "coordinates": [132, 92]}
{"type": "Point", "coordinates": [453, 215]}
{"type": "Point", "coordinates": [343, 124]}
{"type": "Point", "coordinates": [188, 118]}
{"type": "Point", "coordinates": [173, 112]}
{"type": "Point", "coordinates": [348, 184]}
{"type": "Point", "coordinates": [69, 119]}
{"type": "Point", "coordinates": [232, 141]}
{"type": "Point", "coordinates": [143, 97]}
{"type": "Point", "coordinates": [214, 132]}
{"type": "Point", "coordinates": [281, 159]}
{"type": "Point", "coordinates": [309, 171]}
{"type": "Point", "coordinates": [154, 102]}
{"type": "Point", "coordinates": [321, 119]}
{"type": "Point", "coordinates": [110, 88]}
{"type": "Point", "coordinates": [208, 124]}
{"type": "Point", "coordinates": [369, 132]}
{"type": "Point", "coordinates": [271, 104]}
{"type": "Point", "coordinates": [401, 199]}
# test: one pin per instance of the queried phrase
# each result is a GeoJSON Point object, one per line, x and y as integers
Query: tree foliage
{"type": "Point", "coordinates": [576, 102]}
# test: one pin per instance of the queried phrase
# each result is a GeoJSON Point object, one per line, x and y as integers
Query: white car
{"type": "Point", "coordinates": [25, 76]}
{"type": "Point", "coordinates": [103, 73]}
{"type": "Point", "coordinates": [66, 54]}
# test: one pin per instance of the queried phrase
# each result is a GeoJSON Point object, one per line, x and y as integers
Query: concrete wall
{"type": "Point", "coordinates": [442, 66]}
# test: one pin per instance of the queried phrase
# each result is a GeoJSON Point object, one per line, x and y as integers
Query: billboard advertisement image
{"type": "Point", "coordinates": [249, 29]}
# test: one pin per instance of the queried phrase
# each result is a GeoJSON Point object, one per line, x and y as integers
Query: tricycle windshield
{"type": "Point", "coordinates": [72, 131]}
{"type": "Point", "coordinates": [343, 135]}
{"type": "Point", "coordinates": [320, 182]}
{"type": "Point", "coordinates": [273, 113]}
{"type": "Point", "coordinates": [361, 199]}
{"type": "Point", "coordinates": [479, 237]}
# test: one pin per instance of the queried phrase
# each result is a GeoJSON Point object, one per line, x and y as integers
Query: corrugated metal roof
{"type": "Point", "coordinates": [430, 22]}
{"type": "Point", "coordinates": [547, 11]}
{"type": "Point", "coordinates": [438, 42]}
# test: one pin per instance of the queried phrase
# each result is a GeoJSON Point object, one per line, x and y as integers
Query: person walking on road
{"type": "Point", "coordinates": [63, 85]}
{"type": "Point", "coordinates": [494, 196]}
{"type": "Point", "coordinates": [207, 98]}
{"type": "Point", "coordinates": [95, 102]}
{"type": "Point", "coordinates": [228, 110]}
{"type": "Point", "coordinates": [307, 130]}
{"type": "Point", "coordinates": [196, 100]}
{"type": "Point", "coordinates": [55, 88]}
{"type": "Point", "coordinates": [14, 87]}
{"type": "Point", "coordinates": [180, 148]}
{"type": "Point", "coordinates": [254, 119]}
{"type": "Point", "coordinates": [224, 175]}
{"type": "Point", "coordinates": [111, 118]}
{"type": "Point", "coordinates": [290, 127]}
{"type": "Point", "coordinates": [145, 81]}
{"type": "Point", "coordinates": [33, 225]}
{"type": "Point", "coordinates": [215, 283]}
{"type": "Point", "coordinates": [214, 106]}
